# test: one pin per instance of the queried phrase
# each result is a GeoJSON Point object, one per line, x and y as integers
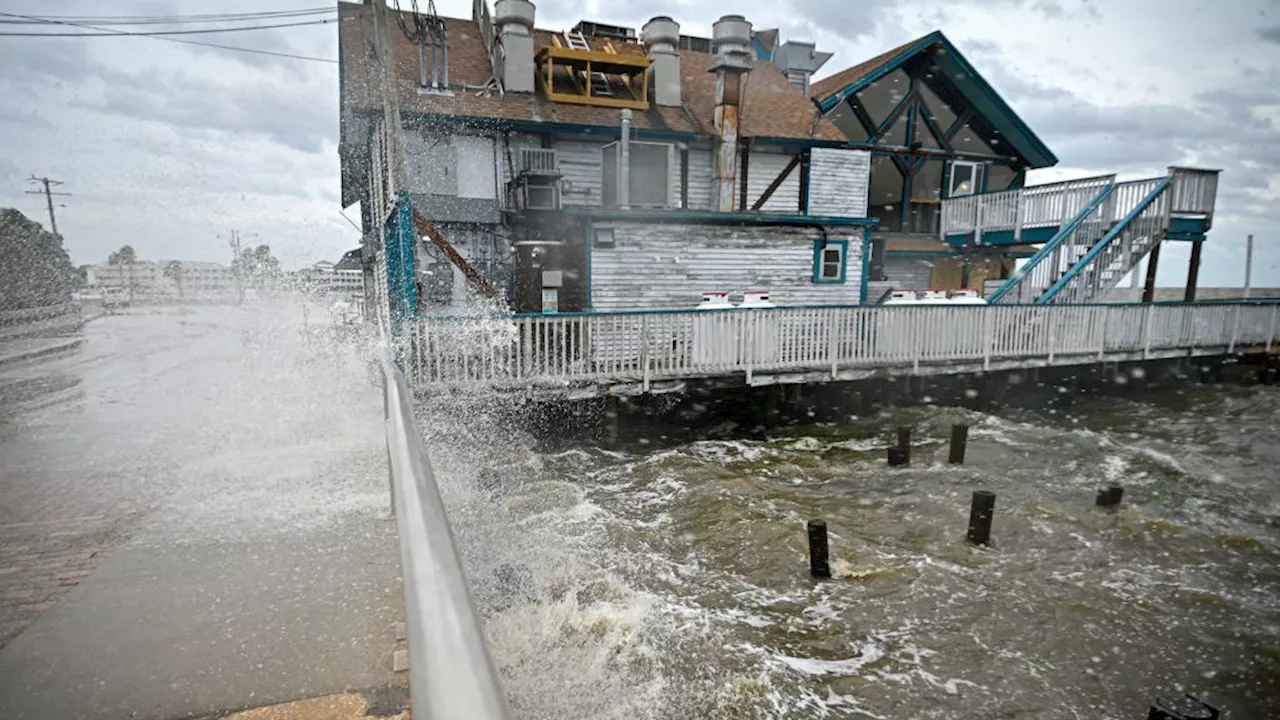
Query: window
{"type": "Point", "coordinates": [885, 199]}
{"type": "Point", "coordinates": [966, 178]}
{"type": "Point", "coordinates": [829, 260]}
{"type": "Point", "coordinates": [883, 95]}
{"type": "Point", "coordinates": [650, 174]}
{"type": "Point", "coordinates": [845, 119]}
{"type": "Point", "coordinates": [604, 237]}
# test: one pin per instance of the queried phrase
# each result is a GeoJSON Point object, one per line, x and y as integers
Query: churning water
{"type": "Point", "coordinates": [670, 580]}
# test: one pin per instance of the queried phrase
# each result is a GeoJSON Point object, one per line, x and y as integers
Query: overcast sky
{"type": "Point", "coordinates": [169, 147]}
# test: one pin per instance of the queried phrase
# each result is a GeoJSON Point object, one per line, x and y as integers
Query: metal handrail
{"type": "Point", "coordinates": [451, 676]}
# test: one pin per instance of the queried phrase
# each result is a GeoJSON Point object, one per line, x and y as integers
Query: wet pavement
{"type": "Point", "coordinates": [192, 519]}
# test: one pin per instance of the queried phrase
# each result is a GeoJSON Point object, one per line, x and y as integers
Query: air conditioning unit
{"type": "Point", "coordinates": [540, 197]}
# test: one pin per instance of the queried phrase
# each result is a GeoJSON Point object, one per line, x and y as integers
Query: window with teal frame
{"type": "Point", "coordinates": [829, 260]}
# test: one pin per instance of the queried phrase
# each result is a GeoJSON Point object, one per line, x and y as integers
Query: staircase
{"type": "Point", "coordinates": [1102, 239]}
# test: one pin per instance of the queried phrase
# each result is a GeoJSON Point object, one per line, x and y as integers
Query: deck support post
{"type": "Point", "coordinates": [611, 420]}
{"type": "Point", "coordinates": [1153, 261]}
{"type": "Point", "coordinates": [1193, 272]}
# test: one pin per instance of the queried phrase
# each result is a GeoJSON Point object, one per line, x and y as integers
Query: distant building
{"type": "Point", "coordinates": [343, 277]}
{"type": "Point", "coordinates": [194, 280]}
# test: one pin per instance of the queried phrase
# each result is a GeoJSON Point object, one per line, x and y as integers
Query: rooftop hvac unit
{"type": "Point", "coordinates": [538, 161]}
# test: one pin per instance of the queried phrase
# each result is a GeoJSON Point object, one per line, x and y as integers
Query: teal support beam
{"type": "Point", "coordinates": [402, 288]}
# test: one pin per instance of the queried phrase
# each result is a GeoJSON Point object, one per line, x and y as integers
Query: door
{"type": "Point", "coordinates": [966, 178]}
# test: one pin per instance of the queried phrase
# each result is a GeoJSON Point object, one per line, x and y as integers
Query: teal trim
{"type": "Point", "coordinates": [894, 63]}
{"type": "Point", "coordinates": [1053, 243]}
{"type": "Point", "coordinates": [975, 90]}
{"type": "Point", "coordinates": [398, 247]}
{"type": "Point", "coordinates": [1188, 226]}
{"type": "Point", "coordinates": [1186, 237]}
{"type": "Point", "coordinates": [997, 238]}
{"type": "Point", "coordinates": [1112, 234]}
{"type": "Point", "coordinates": [709, 217]}
{"type": "Point", "coordinates": [762, 52]}
{"type": "Point", "coordinates": [818, 246]}
{"type": "Point", "coordinates": [921, 253]}
{"type": "Point", "coordinates": [866, 266]}
{"type": "Point", "coordinates": [799, 142]}
{"type": "Point", "coordinates": [839, 306]}
{"type": "Point", "coordinates": [468, 122]}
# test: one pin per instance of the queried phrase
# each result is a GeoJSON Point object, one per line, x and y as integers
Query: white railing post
{"type": "Point", "coordinates": [1271, 330]}
{"type": "Point", "coordinates": [988, 337]}
{"type": "Point", "coordinates": [977, 221]}
{"type": "Point", "coordinates": [749, 344]}
{"type": "Point", "coordinates": [915, 345]}
{"type": "Point", "coordinates": [1053, 328]}
{"type": "Point", "coordinates": [1235, 329]}
{"type": "Point", "coordinates": [644, 351]}
{"type": "Point", "coordinates": [1146, 332]}
{"type": "Point", "coordinates": [1106, 322]}
{"type": "Point", "coordinates": [1017, 219]}
{"type": "Point", "coordinates": [833, 342]}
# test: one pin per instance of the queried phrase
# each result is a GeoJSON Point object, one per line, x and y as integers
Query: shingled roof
{"type": "Point", "coordinates": [826, 87]}
{"type": "Point", "coordinates": [772, 107]}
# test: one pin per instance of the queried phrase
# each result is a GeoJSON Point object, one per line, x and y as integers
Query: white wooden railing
{"type": "Point", "coordinates": [1194, 191]}
{"type": "Point", "coordinates": [1033, 207]}
{"type": "Point", "coordinates": [643, 347]}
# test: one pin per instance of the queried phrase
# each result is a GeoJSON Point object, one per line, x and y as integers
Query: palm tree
{"type": "Point", "coordinates": [124, 256]}
{"type": "Point", "coordinates": [127, 257]}
{"type": "Point", "coordinates": [173, 271]}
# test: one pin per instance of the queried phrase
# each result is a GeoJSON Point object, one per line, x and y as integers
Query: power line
{"type": "Point", "coordinates": [173, 19]}
{"type": "Point", "coordinates": [160, 33]}
{"type": "Point", "coordinates": [176, 40]}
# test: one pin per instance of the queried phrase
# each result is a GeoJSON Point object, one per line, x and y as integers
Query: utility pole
{"type": "Point", "coordinates": [237, 265]}
{"type": "Point", "coordinates": [1248, 267]}
{"type": "Point", "coordinates": [48, 196]}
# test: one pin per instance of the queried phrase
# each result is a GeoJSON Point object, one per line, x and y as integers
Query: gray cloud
{"type": "Point", "coordinates": [1271, 34]}
{"type": "Point", "coordinates": [286, 112]}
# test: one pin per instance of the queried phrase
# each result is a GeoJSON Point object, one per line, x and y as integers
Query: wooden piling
{"type": "Point", "coordinates": [959, 443]}
{"type": "Point", "coordinates": [904, 442]}
{"type": "Point", "coordinates": [981, 510]}
{"type": "Point", "coordinates": [1110, 496]}
{"type": "Point", "coordinates": [819, 563]}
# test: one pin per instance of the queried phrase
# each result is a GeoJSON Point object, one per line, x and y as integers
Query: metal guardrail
{"type": "Point", "coordinates": [451, 676]}
{"type": "Point", "coordinates": [565, 350]}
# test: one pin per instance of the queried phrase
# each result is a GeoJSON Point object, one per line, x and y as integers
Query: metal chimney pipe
{"type": "Point", "coordinates": [422, 61]}
{"type": "Point", "coordinates": [730, 61]}
{"type": "Point", "coordinates": [624, 162]}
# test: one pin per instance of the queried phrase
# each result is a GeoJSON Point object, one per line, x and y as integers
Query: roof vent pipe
{"type": "Point", "coordinates": [661, 35]}
{"type": "Point", "coordinates": [624, 162]}
{"type": "Point", "coordinates": [730, 60]}
{"type": "Point", "coordinates": [514, 20]}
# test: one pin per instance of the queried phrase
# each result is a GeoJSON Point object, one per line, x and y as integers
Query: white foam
{"type": "Point", "coordinates": [868, 653]}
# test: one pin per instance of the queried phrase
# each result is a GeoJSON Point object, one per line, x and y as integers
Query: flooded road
{"type": "Point", "coordinates": [671, 581]}
{"type": "Point", "coordinates": [193, 508]}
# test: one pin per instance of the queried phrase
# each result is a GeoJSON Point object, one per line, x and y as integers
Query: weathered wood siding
{"type": "Point", "coordinates": [580, 171]}
{"type": "Point", "coordinates": [670, 266]}
{"type": "Point", "coordinates": [762, 169]}
{"type": "Point", "coordinates": [838, 182]}
{"type": "Point", "coordinates": [701, 174]}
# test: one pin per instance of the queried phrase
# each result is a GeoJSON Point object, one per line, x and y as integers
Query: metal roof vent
{"type": "Point", "coordinates": [731, 43]}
